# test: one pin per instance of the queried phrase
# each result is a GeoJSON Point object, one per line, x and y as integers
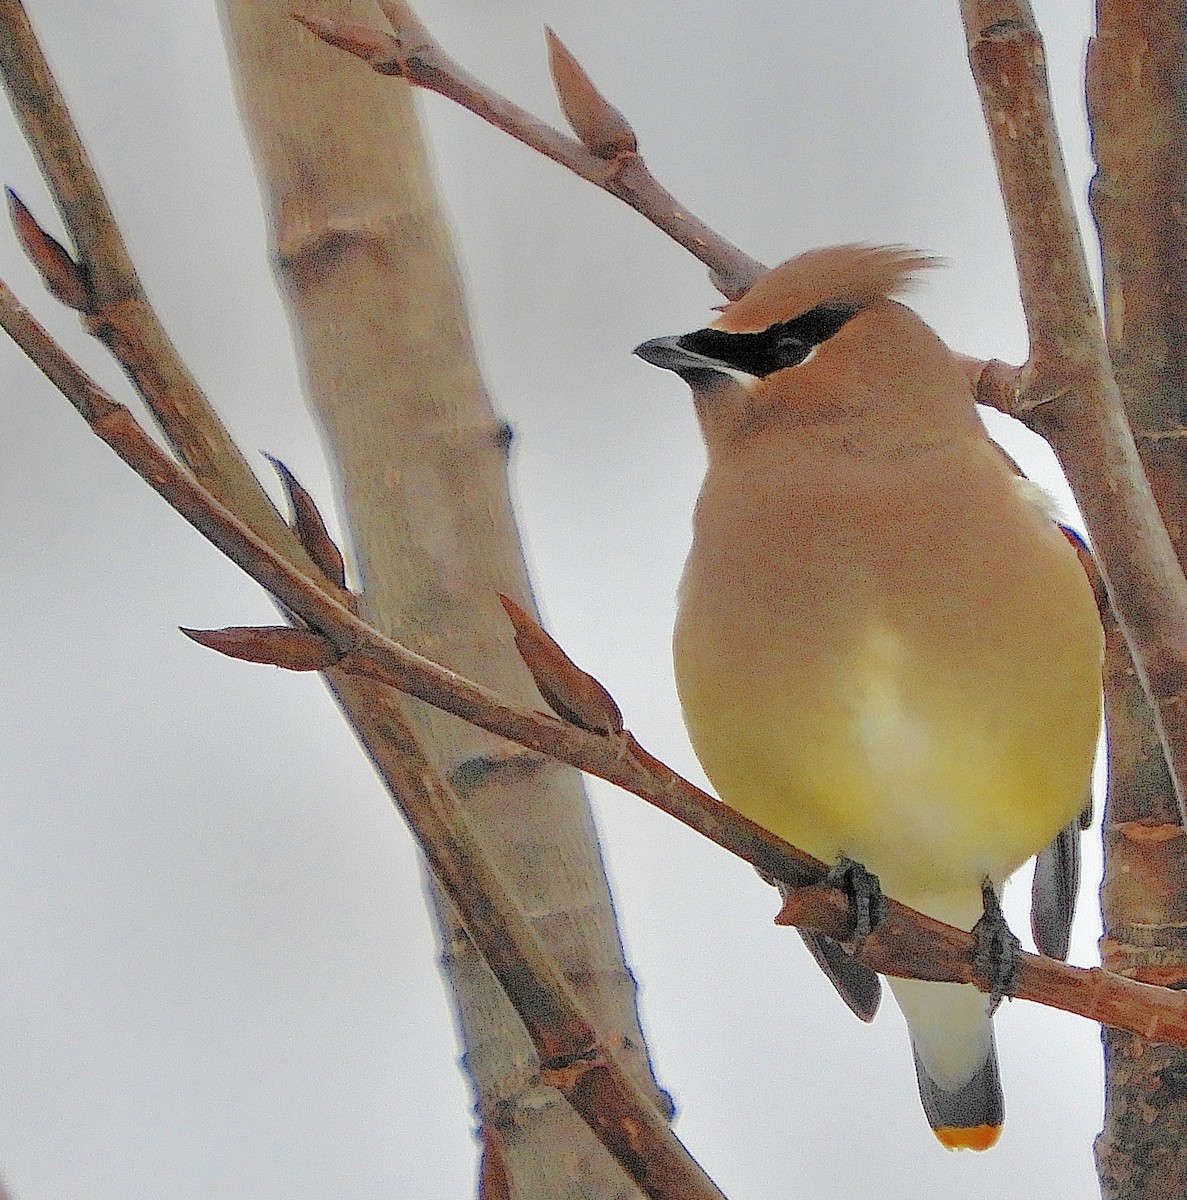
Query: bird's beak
{"type": "Point", "coordinates": [699, 371]}
{"type": "Point", "coordinates": [667, 352]}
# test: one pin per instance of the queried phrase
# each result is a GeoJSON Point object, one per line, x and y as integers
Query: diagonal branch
{"type": "Point", "coordinates": [612, 163]}
{"type": "Point", "coordinates": [906, 943]}
{"type": "Point", "coordinates": [114, 305]}
{"type": "Point", "coordinates": [574, 1059]}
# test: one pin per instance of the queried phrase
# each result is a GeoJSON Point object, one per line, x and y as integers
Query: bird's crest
{"type": "Point", "coordinates": [839, 275]}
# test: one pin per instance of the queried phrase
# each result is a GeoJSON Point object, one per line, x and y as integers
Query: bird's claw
{"type": "Point", "coordinates": [997, 952]}
{"type": "Point", "coordinates": [864, 893]}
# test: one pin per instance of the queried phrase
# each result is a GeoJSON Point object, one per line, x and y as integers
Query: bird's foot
{"type": "Point", "coordinates": [864, 893]}
{"type": "Point", "coordinates": [996, 954]}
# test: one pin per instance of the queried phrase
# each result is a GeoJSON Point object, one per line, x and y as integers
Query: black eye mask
{"type": "Point", "coordinates": [782, 345]}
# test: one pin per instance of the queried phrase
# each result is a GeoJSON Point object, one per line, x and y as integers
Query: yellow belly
{"type": "Point", "coordinates": [933, 770]}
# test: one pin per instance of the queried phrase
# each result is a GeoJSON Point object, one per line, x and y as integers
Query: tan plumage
{"type": "Point", "coordinates": [855, 274]}
{"type": "Point", "coordinates": [883, 649]}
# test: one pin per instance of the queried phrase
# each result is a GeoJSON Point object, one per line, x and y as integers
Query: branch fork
{"type": "Point", "coordinates": [905, 943]}
{"type": "Point", "coordinates": [605, 152]}
{"type": "Point", "coordinates": [307, 577]}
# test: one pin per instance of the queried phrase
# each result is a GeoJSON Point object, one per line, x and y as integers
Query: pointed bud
{"type": "Point", "coordinates": [572, 694]}
{"type": "Point", "coordinates": [379, 49]}
{"type": "Point", "coordinates": [310, 528]}
{"type": "Point", "coordinates": [62, 275]}
{"type": "Point", "coordinates": [603, 130]}
{"type": "Point", "coordinates": [275, 645]}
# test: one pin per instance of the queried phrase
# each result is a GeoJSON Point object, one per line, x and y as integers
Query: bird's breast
{"type": "Point", "coordinates": [901, 676]}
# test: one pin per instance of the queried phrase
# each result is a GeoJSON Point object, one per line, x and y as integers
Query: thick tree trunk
{"type": "Point", "coordinates": [1137, 88]}
{"type": "Point", "coordinates": [372, 288]}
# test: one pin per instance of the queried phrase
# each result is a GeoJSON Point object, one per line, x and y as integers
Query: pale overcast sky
{"type": "Point", "coordinates": [219, 975]}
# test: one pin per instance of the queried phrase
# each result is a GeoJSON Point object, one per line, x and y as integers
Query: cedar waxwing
{"type": "Point", "coordinates": [885, 651]}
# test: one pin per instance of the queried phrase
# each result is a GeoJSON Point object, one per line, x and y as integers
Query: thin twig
{"type": "Point", "coordinates": [116, 308]}
{"type": "Point", "coordinates": [412, 53]}
{"type": "Point", "coordinates": [906, 943]}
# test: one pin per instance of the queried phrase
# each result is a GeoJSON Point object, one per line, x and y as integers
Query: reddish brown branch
{"type": "Point", "coordinates": [573, 1058]}
{"type": "Point", "coordinates": [907, 943]}
{"type": "Point", "coordinates": [1137, 101]}
{"type": "Point", "coordinates": [411, 52]}
{"type": "Point", "coordinates": [102, 285]}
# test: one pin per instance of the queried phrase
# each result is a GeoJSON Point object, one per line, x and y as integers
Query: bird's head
{"type": "Point", "coordinates": [814, 338]}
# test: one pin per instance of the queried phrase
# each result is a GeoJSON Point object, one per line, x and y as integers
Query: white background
{"type": "Point", "coordinates": [216, 971]}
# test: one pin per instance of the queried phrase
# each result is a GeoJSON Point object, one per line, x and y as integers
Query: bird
{"type": "Point", "coordinates": [885, 651]}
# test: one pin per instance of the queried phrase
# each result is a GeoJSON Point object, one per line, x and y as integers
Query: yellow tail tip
{"type": "Point", "coordinates": [973, 1137]}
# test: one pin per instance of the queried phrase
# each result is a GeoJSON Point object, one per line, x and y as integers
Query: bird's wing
{"type": "Point", "coordinates": [856, 984]}
{"type": "Point", "coordinates": [1053, 892]}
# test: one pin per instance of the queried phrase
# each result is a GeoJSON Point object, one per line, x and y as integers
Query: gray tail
{"type": "Point", "coordinates": [970, 1118]}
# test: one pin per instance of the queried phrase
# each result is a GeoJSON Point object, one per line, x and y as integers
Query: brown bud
{"type": "Point", "coordinates": [310, 528]}
{"type": "Point", "coordinates": [276, 645]}
{"type": "Point", "coordinates": [62, 275]}
{"type": "Point", "coordinates": [603, 130]}
{"type": "Point", "coordinates": [375, 47]}
{"type": "Point", "coordinates": [572, 693]}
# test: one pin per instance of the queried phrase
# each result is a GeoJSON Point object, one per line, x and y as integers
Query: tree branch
{"type": "Point", "coordinates": [1136, 82]}
{"type": "Point", "coordinates": [906, 943]}
{"type": "Point", "coordinates": [1067, 385]}
{"type": "Point", "coordinates": [608, 159]}
{"type": "Point", "coordinates": [573, 1057]}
